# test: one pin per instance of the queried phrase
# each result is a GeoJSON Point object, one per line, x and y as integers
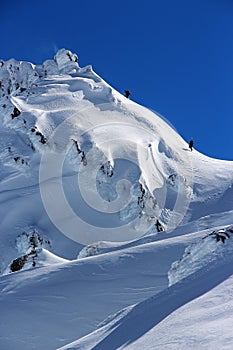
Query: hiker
{"type": "Point", "coordinates": [191, 145]}
{"type": "Point", "coordinates": [127, 93]}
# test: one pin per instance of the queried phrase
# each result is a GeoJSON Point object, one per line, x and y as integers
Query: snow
{"type": "Point", "coordinates": [86, 175]}
{"type": "Point", "coordinates": [208, 249]}
{"type": "Point", "coordinates": [195, 313]}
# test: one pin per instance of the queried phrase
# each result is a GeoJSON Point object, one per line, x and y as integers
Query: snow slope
{"type": "Point", "coordinates": [194, 313]}
{"type": "Point", "coordinates": [103, 207]}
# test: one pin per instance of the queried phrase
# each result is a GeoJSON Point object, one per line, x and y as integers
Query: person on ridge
{"type": "Point", "coordinates": [191, 145]}
{"type": "Point", "coordinates": [127, 93]}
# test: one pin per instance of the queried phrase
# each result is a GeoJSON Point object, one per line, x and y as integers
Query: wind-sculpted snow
{"type": "Point", "coordinates": [85, 171]}
{"type": "Point", "coordinates": [127, 136]}
{"type": "Point", "coordinates": [72, 124]}
{"type": "Point", "coordinates": [115, 137]}
{"type": "Point", "coordinates": [55, 124]}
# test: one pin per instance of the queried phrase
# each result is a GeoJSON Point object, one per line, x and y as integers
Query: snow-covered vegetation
{"type": "Point", "coordinates": [113, 233]}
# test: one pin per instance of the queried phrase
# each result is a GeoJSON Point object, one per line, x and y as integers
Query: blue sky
{"type": "Point", "coordinates": [176, 57]}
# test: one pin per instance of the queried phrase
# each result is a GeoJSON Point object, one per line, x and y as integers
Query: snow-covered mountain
{"type": "Point", "coordinates": [113, 233]}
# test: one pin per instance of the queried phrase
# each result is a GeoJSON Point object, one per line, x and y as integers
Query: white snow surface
{"type": "Point", "coordinates": [86, 175]}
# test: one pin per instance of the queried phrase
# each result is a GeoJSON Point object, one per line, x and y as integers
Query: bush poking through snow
{"type": "Point", "coordinates": [159, 226]}
{"type": "Point", "coordinates": [83, 159]}
{"type": "Point", "coordinates": [220, 235]}
{"type": "Point", "coordinates": [42, 137]}
{"type": "Point", "coordinates": [107, 169]}
{"type": "Point", "coordinates": [83, 156]}
{"type": "Point", "coordinates": [142, 197]}
{"type": "Point", "coordinates": [15, 113]}
{"type": "Point", "coordinates": [172, 179]}
{"type": "Point", "coordinates": [18, 263]}
{"type": "Point", "coordinates": [28, 244]}
{"type": "Point", "coordinates": [27, 241]}
{"type": "Point", "coordinates": [77, 146]}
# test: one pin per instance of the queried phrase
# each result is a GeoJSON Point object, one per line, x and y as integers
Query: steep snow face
{"type": "Point", "coordinates": [81, 163]}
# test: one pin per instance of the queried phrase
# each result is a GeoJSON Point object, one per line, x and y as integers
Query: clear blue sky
{"type": "Point", "coordinates": [176, 57]}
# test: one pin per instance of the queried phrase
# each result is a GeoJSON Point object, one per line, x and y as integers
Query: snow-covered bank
{"type": "Point", "coordinates": [196, 312]}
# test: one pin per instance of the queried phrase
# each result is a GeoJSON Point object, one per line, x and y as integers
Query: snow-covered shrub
{"type": "Point", "coordinates": [28, 241]}
{"type": "Point", "coordinates": [89, 250]}
{"type": "Point", "coordinates": [18, 263]}
{"type": "Point", "coordinates": [29, 244]}
{"type": "Point", "coordinates": [171, 180]}
{"type": "Point", "coordinates": [15, 113]}
{"type": "Point", "coordinates": [202, 252]}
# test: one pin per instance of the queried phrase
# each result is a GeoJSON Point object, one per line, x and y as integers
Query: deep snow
{"type": "Point", "coordinates": [85, 175]}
